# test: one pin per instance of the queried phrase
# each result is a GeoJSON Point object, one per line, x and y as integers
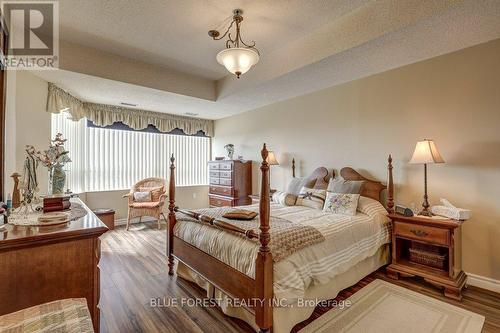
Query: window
{"type": "Point", "coordinates": [111, 159]}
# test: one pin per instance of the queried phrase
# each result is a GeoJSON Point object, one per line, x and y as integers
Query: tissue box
{"type": "Point", "coordinates": [451, 212]}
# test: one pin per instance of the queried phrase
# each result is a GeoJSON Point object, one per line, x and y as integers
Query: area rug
{"type": "Point", "coordinates": [384, 307]}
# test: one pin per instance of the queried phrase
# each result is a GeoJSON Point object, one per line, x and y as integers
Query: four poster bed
{"type": "Point", "coordinates": [299, 253]}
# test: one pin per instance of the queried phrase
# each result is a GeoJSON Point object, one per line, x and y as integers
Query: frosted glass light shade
{"type": "Point", "coordinates": [238, 60]}
{"type": "Point", "coordinates": [426, 152]}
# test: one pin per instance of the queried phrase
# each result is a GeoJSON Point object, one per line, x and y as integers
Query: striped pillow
{"type": "Point", "coordinates": [370, 207]}
{"type": "Point", "coordinates": [283, 198]}
{"type": "Point", "coordinates": [311, 197]}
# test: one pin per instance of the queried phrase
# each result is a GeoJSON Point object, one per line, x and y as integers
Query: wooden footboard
{"type": "Point", "coordinates": [259, 291]}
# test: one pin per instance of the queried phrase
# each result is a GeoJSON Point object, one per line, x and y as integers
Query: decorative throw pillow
{"type": "Point", "coordinates": [240, 214]}
{"type": "Point", "coordinates": [341, 203]}
{"type": "Point", "coordinates": [339, 185]}
{"type": "Point", "coordinates": [142, 196]}
{"type": "Point", "coordinates": [285, 199]}
{"type": "Point", "coordinates": [311, 197]}
{"type": "Point", "coordinates": [156, 192]}
{"type": "Point", "coordinates": [371, 207]}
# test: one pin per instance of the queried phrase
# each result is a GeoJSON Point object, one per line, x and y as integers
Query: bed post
{"type": "Point", "coordinates": [390, 187]}
{"type": "Point", "coordinates": [264, 262]}
{"type": "Point", "coordinates": [293, 167]}
{"type": "Point", "coordinates": [171, 217]}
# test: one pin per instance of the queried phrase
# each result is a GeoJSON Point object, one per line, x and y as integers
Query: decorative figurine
{"type": "Point", "coordinates": [16, 194]}
{"type": "Point", "coordinates": [230, 150]}
{"type": "Point", "coordinates": [29, 181]}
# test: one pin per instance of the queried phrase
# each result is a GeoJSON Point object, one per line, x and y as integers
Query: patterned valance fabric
{"type": "Point", "coordinates": [59, 100]}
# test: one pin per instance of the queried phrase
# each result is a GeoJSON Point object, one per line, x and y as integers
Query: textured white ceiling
{"type": "Point", "coordinates": [174, 33]}
{"type": "Point", "coordinates": [305, 45]}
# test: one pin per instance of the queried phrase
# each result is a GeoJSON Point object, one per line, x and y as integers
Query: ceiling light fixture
{"type": "Point", "coordinates": [238, 57]}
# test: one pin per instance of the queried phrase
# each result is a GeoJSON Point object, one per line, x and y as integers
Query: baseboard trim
{"type": "Point", "coordinates": [136, 220]}
{"type": "Point", "coordinates": [483, 282]}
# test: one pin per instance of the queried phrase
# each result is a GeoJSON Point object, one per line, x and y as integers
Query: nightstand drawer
{"type": "Point", "coordinates": [423, 233]}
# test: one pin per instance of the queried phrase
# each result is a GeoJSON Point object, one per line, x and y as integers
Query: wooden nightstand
{"type": "Point", "coordinates": [255, 198]}
{"type": "Point", "coordinates": [429, 248]}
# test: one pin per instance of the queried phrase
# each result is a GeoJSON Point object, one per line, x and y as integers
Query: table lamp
{"type": "Point", "coordinates": [271, 160]}
{"type": "Point", "coordinates": [425, 153]}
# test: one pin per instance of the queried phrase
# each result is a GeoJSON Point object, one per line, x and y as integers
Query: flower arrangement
{"type": "Point", "coordinates": [54, 159]}
{"type": "Point", "coordinates": [55, 155]}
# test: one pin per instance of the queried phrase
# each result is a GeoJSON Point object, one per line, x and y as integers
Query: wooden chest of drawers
{"type": "Point", "coordinates": [44, 264]}
{"type": "Point", "coordinates": [230, 183]}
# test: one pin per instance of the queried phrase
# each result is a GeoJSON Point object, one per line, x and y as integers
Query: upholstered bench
{"type": "Point", "coordinates": [67, 315]}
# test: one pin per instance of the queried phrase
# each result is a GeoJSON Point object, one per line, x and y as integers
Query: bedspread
{"type": "Point", "coordinates": [347, 241]}
{"type": "Point", "coordinates": [288, 237]}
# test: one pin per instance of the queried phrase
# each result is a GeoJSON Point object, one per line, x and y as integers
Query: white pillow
{"type": "Point", "coordinates": [371, 207]}
{"type": "Point", "coordinates": [296, 184]}
{"type": "Point", "coordinates": [311, 197]}
{"type": "Point", "coordinates": [142, 196]}
{"type": "Point", "coordinates": [341, 203]}
{"type": "Point", "coordinates": [340, 185]}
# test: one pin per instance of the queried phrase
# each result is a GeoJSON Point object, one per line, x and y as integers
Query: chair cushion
{"type": "Point", "coordinates": [67, 315]}
{"type": "Point", "coordinates": [144, 204]}
{"type": "Point", "coordinates": [156, 192]}
{"type": "Point", "coordinates": [143, 196]}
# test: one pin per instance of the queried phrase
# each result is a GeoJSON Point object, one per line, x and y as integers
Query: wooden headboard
{"type": "Point", "coordinates": [319, 178]}
{"type": "Point", "coordinates": [371, 188]}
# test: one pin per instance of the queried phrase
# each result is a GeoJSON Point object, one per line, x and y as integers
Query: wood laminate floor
{"type": "Point", "coordinates": [133, 271]}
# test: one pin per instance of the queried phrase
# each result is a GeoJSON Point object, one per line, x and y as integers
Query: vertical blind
{"type": "Point", "coordinates": [108, 159]}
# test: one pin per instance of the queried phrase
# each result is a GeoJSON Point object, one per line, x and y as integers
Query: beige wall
{"type": "Point", "coordinates": [32, 123]}
{"type": "Point", "coordinates": [191, 197]}
{"type": "Point", "coordinates": [453, 99]}
{"type": "Point", "coordinates": [29, 123]}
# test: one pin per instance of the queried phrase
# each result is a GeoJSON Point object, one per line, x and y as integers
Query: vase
{"type": "Point", "coordinates": [58, 179]}
{"type": "Point", "coordinates": [230, 150]}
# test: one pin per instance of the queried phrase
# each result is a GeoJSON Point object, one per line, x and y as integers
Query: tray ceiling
{"type": "Point", "coordinates": [157, 54]}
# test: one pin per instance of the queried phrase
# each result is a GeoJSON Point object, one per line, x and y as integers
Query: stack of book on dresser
{"type": "Point", "coordinates": [53, 203]}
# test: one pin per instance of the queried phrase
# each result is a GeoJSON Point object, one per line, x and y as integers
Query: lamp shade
{"type": "Point", "coordinates": [426, 152]}
{"type": "Point", "coordinates": [271, 159]}
{"type": "Point", "coordinates": [238, 60]}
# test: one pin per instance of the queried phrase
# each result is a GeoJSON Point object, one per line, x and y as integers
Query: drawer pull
{"type": "Point", "coordinates": [419, 233]}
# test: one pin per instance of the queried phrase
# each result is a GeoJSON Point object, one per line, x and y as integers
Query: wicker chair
{"type": "Point", "coordinates": [153, 208]}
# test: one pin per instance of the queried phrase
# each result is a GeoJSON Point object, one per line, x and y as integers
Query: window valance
{"type": "Point", "coordinates": [59, 100]}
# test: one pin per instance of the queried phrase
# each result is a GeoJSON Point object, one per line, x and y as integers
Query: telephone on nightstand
{"type": "Point", "coordinates": [402, 210]}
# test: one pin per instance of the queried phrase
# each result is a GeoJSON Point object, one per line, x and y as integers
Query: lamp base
{"type": "Point", "coordinates": [425, 212]}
